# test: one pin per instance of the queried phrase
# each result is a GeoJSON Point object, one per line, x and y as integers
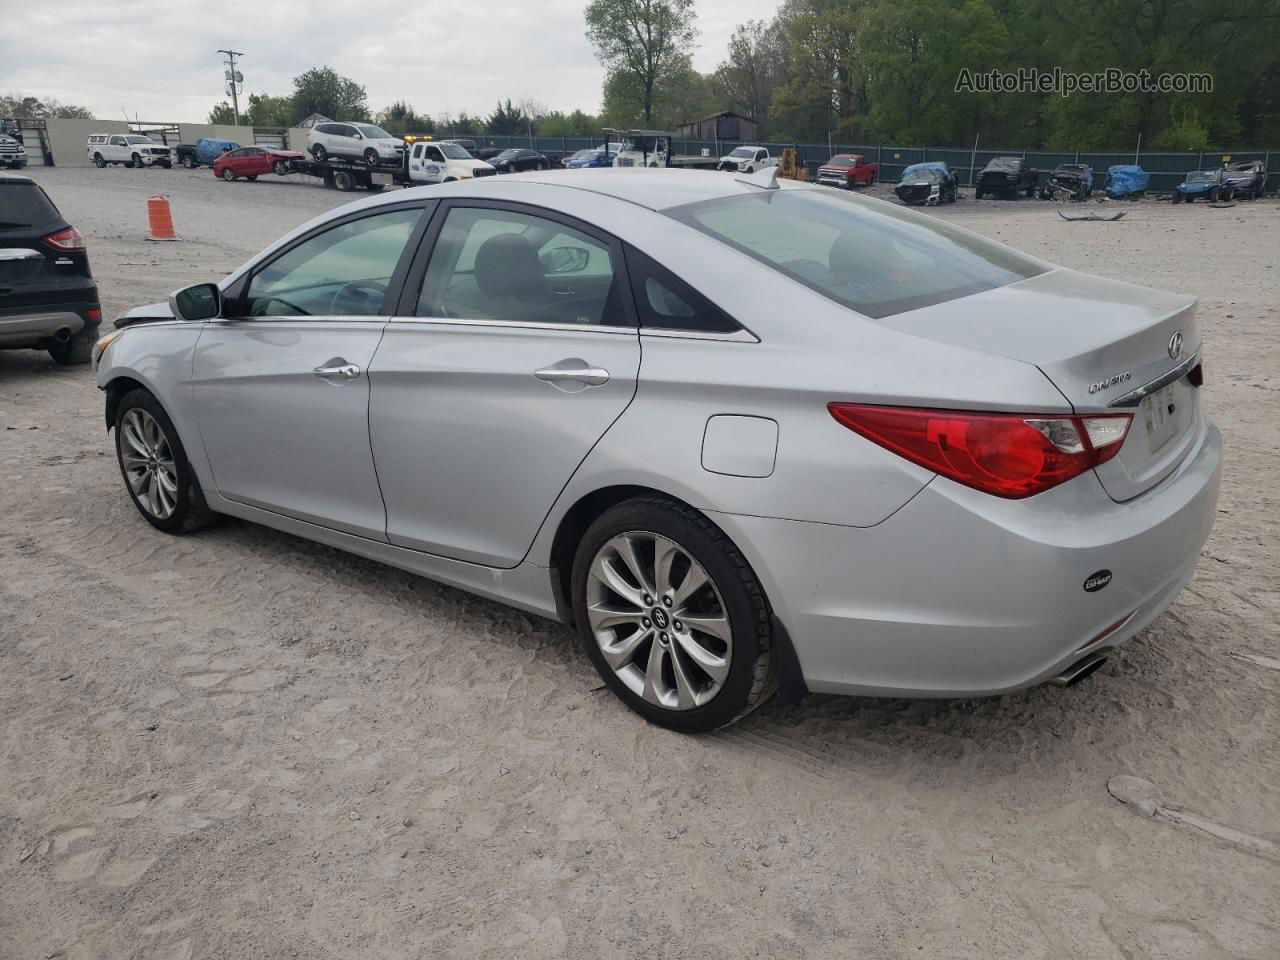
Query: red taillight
{"type": "Point", "coordinates": [1006, 454]}
{"type": "Point", "coordinates": [94, 313]}
{"type": "Point", "coordinates": [65, 241]}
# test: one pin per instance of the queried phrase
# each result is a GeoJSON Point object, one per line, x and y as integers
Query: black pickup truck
{"type": "Point", "coordinates": [1006, 177]}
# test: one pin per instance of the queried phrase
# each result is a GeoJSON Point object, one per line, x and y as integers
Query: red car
{"type": "Point", "coordinates": [847, 170]}
{"type": "Point", "coordinates": [250, 162]}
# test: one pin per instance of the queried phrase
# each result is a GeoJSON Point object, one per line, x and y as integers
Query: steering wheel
{"type": "Point", "coordinates": [364, 288]}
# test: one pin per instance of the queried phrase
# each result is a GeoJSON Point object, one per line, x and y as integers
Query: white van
{"type": "Point", "coordinates": [431, 162]}
{"type": "Point", "coordinates": [130, 149]}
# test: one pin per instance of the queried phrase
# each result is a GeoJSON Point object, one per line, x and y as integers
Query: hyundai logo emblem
{"type": "Point", "coordinates": [1175, 345]}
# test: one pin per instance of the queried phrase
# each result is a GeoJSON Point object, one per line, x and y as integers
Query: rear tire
{"type": "Point", "coordinates": [98, 161]}
{"type": "Point", "coordinates": [649, 645]}
{"type": "Point", "coordinates": [251, 177]}
{"type": "Point", "coordinates": [79, 349]}
{"type": "Point", "coordinates": [189, 162]}
{"type": "Point", "coordinates": [343, 181]}
{"type": "Point", "coordinates": [320, 153]}
{"type": "Point", "coordinates": [151, 457]}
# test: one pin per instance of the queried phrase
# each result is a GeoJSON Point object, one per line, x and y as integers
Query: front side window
{"type": "Point", "coordinates": [344, 271]}
{"type": "Point", "coordinates": [876, 259]}
{"type": "Point", "coordinates": [491, 264]}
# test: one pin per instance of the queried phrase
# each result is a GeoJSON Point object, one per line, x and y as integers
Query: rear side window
{"type": "Point", "coordinates": [665, 302]}
{"type": "Point", "coordinates": [25, 205]}
{"type": "Point", "coordinates": [874, 258]}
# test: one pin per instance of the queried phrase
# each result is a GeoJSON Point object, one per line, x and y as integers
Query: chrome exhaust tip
{"type": "Point", "coordinates": [1078, 670]}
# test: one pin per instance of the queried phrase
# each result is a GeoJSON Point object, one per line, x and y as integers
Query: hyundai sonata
{"type": "Point", "coordinates": [747, 435]}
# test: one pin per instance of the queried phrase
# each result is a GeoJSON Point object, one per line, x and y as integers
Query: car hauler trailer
{"type": "Point", "coordinates": [652, 148]}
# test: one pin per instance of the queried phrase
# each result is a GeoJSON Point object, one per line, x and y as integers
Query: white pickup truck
{"type": "Point", "coordinates": [129, 149]}
{"type": "Point", "coordinates": [747, 159]}
{"type": "Point", "coordinates": [441, 162]}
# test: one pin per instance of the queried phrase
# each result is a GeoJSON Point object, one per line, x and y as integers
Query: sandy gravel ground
{"type": "Point", "coordinates": [239, 744]}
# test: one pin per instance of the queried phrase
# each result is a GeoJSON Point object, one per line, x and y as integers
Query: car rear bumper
{"type": "Point", "coordinates": [35, 325]}
{"type": "Point", "coordinates": [964, 594]}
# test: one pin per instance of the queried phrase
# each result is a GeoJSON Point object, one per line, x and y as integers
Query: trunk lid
{"type": "Point", "coordinates": [1100, 342]}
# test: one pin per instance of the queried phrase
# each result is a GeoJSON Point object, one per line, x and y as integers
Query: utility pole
{"type": "Point", "coordinates": [234, 80]}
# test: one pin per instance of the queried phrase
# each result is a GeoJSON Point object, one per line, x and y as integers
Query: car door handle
{"type": "Point", "coordinates": [339, 369]}
{"type": "Point", "coordinates": [574, 371]}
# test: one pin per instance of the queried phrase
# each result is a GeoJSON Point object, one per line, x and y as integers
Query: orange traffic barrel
{"type": "Point", "coordinates": [161, 220]}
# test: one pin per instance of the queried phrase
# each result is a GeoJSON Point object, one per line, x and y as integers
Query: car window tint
{"type": "Point", "coordinates": [877, 259]}
{"type": "Point", "coordinates": [24, 204]}
{"type": "Point", "coordinates": [344, 271]}
{"type": "Point", "coordinates": [491, 264]}
{"type": "Point", "coordinates": [666, 302]}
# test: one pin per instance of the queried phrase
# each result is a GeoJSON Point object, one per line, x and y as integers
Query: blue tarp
{"type": "Point", "coordinates": [1126, 180]}
{"type": "Point", "coordinates": [939, 165]}
{"type": "Point", "coordinates": [208, 149]}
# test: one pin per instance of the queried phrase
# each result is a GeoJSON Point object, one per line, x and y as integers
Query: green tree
{"type": "Point", "coordinates": [264, 110]}
{"type": "Point", "coordinates": [222, 113]}
{"type": "Point", "coordinates": [400, 118]}
{"type": "Point", "coordinates": [507, 120]}
{"type": "Point", "coordinates": [824, 91]}
{"type": "Point", "coordinates": [15, 105]}
{"type": "Point", "coordinates": [756, 64]}
{"type": "Point", "coordinates": [641, 43]}
{"type": "Point", "coordinates": [323, 90]}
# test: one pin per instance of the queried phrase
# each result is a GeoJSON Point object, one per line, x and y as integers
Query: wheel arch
{"type": "Point", "coordinates": [116, 389]}
{"type": "Point", "coordinates": [573, 525]}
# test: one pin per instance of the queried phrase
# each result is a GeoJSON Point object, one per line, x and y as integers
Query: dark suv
{"type": "Point", "coordinates": [48, 300]}
{"type": "Point", "coordinates": [1006, 177]}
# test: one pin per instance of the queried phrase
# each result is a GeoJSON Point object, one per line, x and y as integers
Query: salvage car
{"type": "Point", "coordinates": [516, 159]}
{"type": "Point", "coordinates": [1248, 179]}
{"type": "Point", "coordinates": [1006, 177]}
{"type": "Point", "coordinates": [1126, 182]}
{"type": "Point", "coordinates": [48, 300]}
{"type": "Point", "coordinates": [746, 159]}
{"type": "Point", "coordinates": [1210, 185]}
{"type": "Point", "coordinates": [1069, 181]}
{"type": "Point", "coordinates": [847, 170]}
{"type": "Point", "coordinates": [253, 162]}
{"type": "Point", "coordinates": [578, 396]}
{"type": "Point", "coordinates": [601, 156]}
{"type": "Point", "coordinates": [354, 141]}
{"type": "Point", "coordinates": [203, 152]}
{"type": "Point", "coordinates": [928, 184]}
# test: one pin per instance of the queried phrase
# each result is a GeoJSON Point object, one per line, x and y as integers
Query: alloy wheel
{"type": "Point", "coordinates": [148, 462]}
{"type": "Point", "coordinates": [659, 620]}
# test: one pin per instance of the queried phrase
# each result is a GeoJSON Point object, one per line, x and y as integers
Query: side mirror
{"type": "Point", "coordinates": [566, 259]}
{"type": "Point", "coordinates": [200, 302]}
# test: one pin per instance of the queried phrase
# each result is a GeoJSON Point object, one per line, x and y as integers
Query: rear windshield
{"type": "Point", "coordinates": [25, 205]}
{"type": "Point", "coordinates": [873, 257]}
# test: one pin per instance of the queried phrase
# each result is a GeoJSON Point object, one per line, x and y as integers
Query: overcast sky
{"type": "Point", "coordinates": [157, 60]}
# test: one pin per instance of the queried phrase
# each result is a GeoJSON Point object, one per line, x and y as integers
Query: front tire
{"type": "Point", "coordinates": [189, 162]}
{"type": "Point", "coordinates": [137, 160]}
{"type": "Point", "coordinates": [672, 616]}
{"type": "Point", "coordinates": [281, 168]}
{"type": "Point", "coordinates": [371, 157]}
{"type": "Point", "coordinates": [155, 468]}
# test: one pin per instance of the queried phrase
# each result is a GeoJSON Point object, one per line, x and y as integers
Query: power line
{"type": "Point", "coordinates": [234, 81]}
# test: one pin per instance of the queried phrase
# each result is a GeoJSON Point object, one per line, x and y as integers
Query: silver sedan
{"type": "Point", "coordinates": [748, 436]}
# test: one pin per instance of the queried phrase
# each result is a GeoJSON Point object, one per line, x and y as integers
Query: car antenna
{"type": "Point", "coordinates": [766, 179]}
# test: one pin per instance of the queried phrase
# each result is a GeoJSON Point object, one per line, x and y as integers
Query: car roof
{"type": "Point", "coordinates": [656, 189]}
